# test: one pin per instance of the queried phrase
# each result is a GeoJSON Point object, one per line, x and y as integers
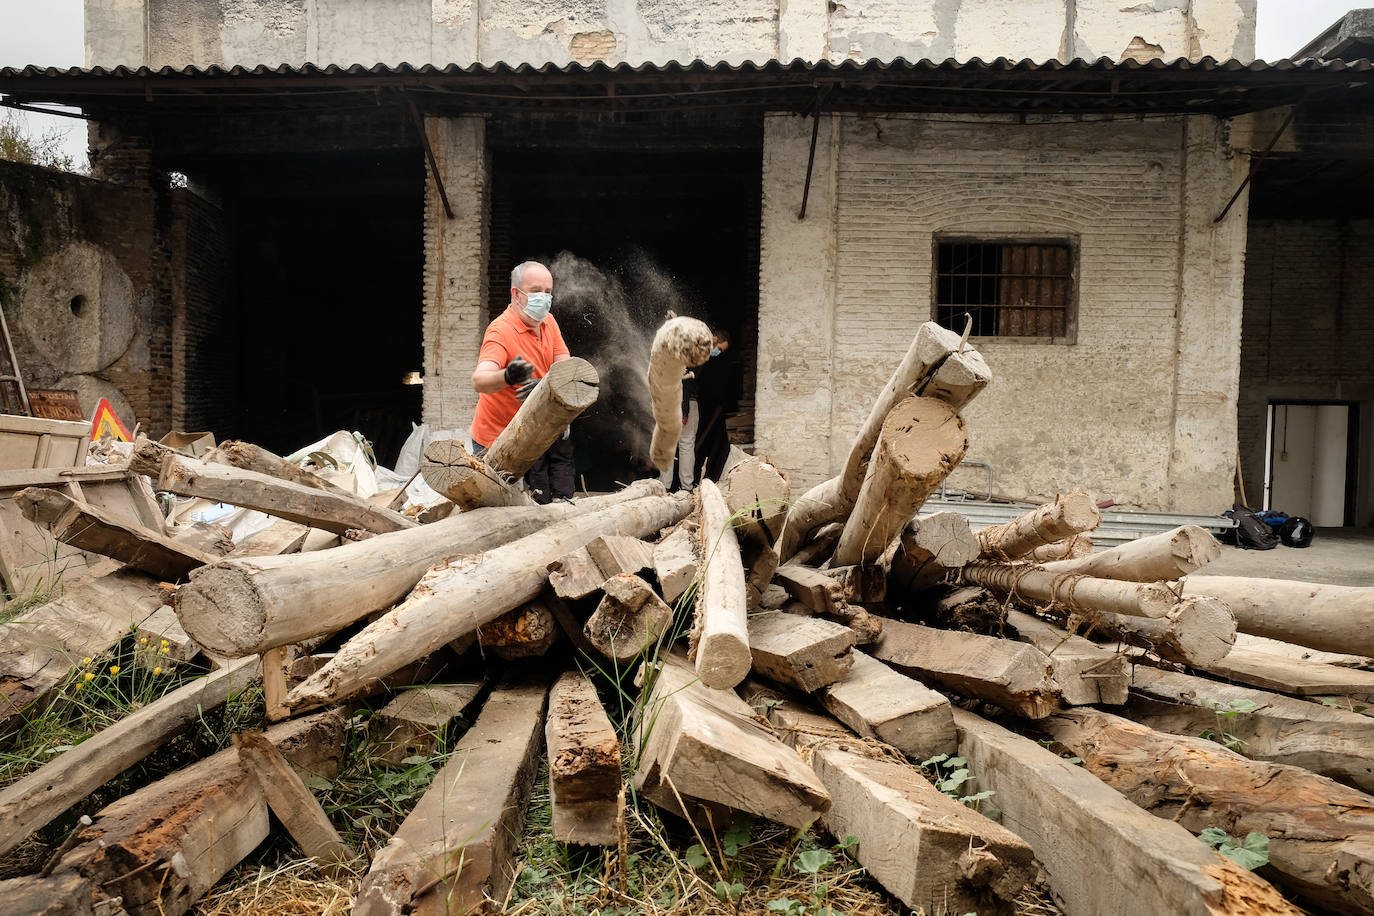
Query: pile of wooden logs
{"type": "Point", "coordinates": [834, 657]}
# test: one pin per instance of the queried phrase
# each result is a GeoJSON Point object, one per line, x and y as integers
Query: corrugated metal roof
{"type": "Point", "coordinates": [1001, 85]}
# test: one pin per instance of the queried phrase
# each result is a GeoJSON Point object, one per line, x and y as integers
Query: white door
{"type": "Point", "coordinates": [1307, 461]}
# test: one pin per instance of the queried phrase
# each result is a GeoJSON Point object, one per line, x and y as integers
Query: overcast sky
{"type": "Point", "coordinates": [48, 33]}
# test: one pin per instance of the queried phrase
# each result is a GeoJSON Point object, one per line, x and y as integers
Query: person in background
{"type": "Point", "coordinates": [718, 395]}
{"type": "Point", "coordinates": [518, 349]}
{"type": "Point", "coordinates": [691, 417]}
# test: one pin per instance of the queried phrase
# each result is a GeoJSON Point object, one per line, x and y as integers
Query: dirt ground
{"type": "Point", "coordinates": [1338, 556]}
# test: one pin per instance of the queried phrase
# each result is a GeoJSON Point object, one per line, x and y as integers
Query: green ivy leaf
{"type": "Point", "coordinates": [1214, 836]}
{"type": "Point", "coordinates": [695, 856]}
{"type": "Point", "coordinates": [1251, 852]}
{"type": "Point", "coordinates": [738, 834]}
{"type": "Point", "coordinates": [785, 905]}
{"type": "Point", "coordinates": [938, 758]}
{"type": "Point", "coordinates": [848, 843]}
{"type": "Point", "coordinates": [813, 860]}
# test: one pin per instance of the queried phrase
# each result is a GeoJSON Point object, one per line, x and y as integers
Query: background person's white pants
{"type": "Point", "coordinates": [686, 451]}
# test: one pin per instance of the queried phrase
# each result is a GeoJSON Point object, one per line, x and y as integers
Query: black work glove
{"type": "Point", "coordinates": [517, 370]}
{"type": "Point", "coordinates": [524, 390]}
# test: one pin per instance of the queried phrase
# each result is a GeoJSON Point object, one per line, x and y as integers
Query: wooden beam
{"type": "Point", "coordinates": [618, 555]}
{"type": "Point", "coordinates": [720, 633]}
{"type": "Point", "coordinates": [921, 442]}
{"type": "Point", "coordinates": [414, 722]}
{"type": "Point", "coordinates": [932, 853]}
{"type": "Point", "coordinates": [1074, 823]}
{"type": "Point", "coordinates": [584, 765]}
{"type": "Point", "coordinates": [290, 800]}
{"type": "Point", "coordinates": [280, 537]}
{"type": "Point", "coordinates": [525, 632]}
{"type": "Point", "coordinates": [698, 743]}
{"type": "Point", "coordinates": [1321, 834]}
{"type": "Point", "coordinates": [576, 575]}
{"type": "Point", "coordinates": [758, 496]}
{"type": "Point", "coordinates": [34, 800]}
{"type": "Point", "coordinates": [1294, 676]}
{"type": "Point", "coordinates": [1198, 631]}
{"type": "Point", "coordinates": [242, 606]}
{"type": "Point", "coordinates": [1331, 742]}
{"type": "Point", "coordinates": [1065, 517]}
{"type": "Point", "coordinates": [1334, 618]}
{"type": "Point", "coordinates": [461, 596]}
{"type": "Point", "coordinates": [333, 512]}
{"type": "Point", "coordinates": [88, 528]}
{"type": "Point", "coordinates": [629, 620]}
{"type": "Point", "coordinates": [675, 563]}
{"type": "Point", "coordinates": [877, 702]}
{"type": "Point", "coordinates": [1085, 672]}
{"type": "Point", "coordinates": [803, 652]}
{"type": "Point", "coordinates": [1013, 675]}
{"type": "Point", "coordinates": [455, 852]}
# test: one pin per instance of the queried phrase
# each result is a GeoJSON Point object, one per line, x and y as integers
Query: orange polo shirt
{"type": "Point", "coordinates": [508, 337]}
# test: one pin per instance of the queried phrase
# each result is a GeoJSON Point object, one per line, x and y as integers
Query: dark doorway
{"type": "Point", "coordinates": [651, 230]}
{"type": "Point", "coordinates": [327, 267]}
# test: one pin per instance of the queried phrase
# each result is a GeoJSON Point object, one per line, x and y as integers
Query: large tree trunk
{"type": "Point", "coordinates": [1321, 834]}
{"type": "Point", "coordinates": [720, 634]}
{"type": "Point", "coordinates": [1335, 743]}
{"type": "Point", "coordinates": [1136, 599]}
{"type": "Point", "coordinates": [1157, 558]}
{"type": "Point", "coordinates": [241, 607]}
{"type": "Point", "coordinates": [1103, 854]}
{"type": "Point", "coordinates": [459, 597]}
{"type": "Point", "coordinates": [833, 499]}
{"type": "Point", "coordinates": [331, 511]}
{"type": "Point", "coordinates": [560, 397]}
{"type": "Point", "coordinates": [467, 481]}
{"type": "Point", "coordinates": [1063, 518]}
{"type": "Point", "coordinates": [922, 440]}
{"type": "Point", "coordinates": [1334, 618]}
{"type": "Point", "coordinates": [678, 344]}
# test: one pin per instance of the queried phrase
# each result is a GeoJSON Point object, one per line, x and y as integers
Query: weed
{"type": "Point", "coordinates": [949, 775]}
{"type": "Point", "coordinates": [1343, 703]}
{"type": "Point", "coordinates": [1224, 711]}
{"type": "Point", "coordinates": [1252, 852]}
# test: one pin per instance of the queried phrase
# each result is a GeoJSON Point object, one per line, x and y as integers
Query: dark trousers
{"type": "Point", "coordinates": [552, 476]}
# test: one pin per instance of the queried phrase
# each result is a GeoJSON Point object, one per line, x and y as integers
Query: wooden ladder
{"type": "Point", "coordinates": [13, 398]}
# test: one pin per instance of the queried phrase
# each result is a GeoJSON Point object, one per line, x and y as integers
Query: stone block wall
{"type": "Point", "coordinates": [1118, 409]}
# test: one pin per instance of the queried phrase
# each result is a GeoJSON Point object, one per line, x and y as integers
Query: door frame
{"type": "Point", "coordinates": [1352, 448]}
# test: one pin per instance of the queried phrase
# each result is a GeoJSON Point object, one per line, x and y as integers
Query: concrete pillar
{"type": "Point", "coordinates": [455, 269]}
{"type": "Point", "coordinates": [1202, 462]}
{"type": "Point", "coordinates": [796, 300]}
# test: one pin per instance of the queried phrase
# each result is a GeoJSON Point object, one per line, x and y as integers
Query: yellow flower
{"type": "Point", "coordinates": [89, 676]}
{"type": "Point", "coordinates": [114, 669]}
{"type": "Point", "coordinates": [157, 671]}
{"type": "Point", "coordinates": [165, 650]}
{"type": "Point", "coordinates": [86, 660]}
{"type": "Point", "coordinates": [143, 641]}
{"type": "Point", "coordinates": [79, 686]}
{"type": "Point", "coordinates": [165, 643]}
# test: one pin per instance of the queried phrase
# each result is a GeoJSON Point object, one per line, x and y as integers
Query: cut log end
{"type": "Point", "coordinates": [201, 607]}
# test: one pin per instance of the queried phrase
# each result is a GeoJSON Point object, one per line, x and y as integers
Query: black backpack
{"type": "Point", "coordinates": [1251, 533]}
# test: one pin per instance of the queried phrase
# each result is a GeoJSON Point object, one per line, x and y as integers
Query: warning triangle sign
{"type": "Point", "coordinates": [107, 422]}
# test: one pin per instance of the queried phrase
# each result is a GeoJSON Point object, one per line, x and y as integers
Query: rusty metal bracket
{"type": "Point", "coordinates": [429, 154]}
{"type": "Point", "coordinates": [1255, 163]}
{"type": "Point", "coordinates": [811, 157]}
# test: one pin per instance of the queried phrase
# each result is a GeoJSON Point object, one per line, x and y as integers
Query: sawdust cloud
{"type": "Point", "coordinates": [610, 319]}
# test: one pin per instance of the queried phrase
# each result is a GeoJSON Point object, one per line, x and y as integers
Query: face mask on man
{"type": "Point", "coordinates": [537, 305]}
{"type": "Point", "coordinates": [715, 351]}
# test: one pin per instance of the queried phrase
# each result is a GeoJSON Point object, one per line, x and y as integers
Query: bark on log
{"type": "Point", "coordinates": [241, 607]}
{"type": "Point", "coordinates": [720, 634]}
{"type": "Point", "coordinates": [877, 702]}
{"type": "Point", "coordinates": [1075, 823]}
{"type": "Point", "coordinates": [1294, 676]}
{"type": "Point", "coordinates": [629, 620]}
{"type": "Point", "coordinates": [333, 512]}
{"type": "Point", "coordinates": [1334, 618]}
{"type": "Point", "coordinates": [252, 457]}
{"type": "Point", "coordinates": [33, 801]}
{"type": "Point", "coordinates": [527, 631]}
{"type": "Point", "coordinates": [455, 852]}
{"type": "Point", "coordinates": [1075, 593]}
{"type": "Point", "coordinates": [1157, 558]}
{"type": "Point", "coordinates": [1335, 743]}
{"type": "Point", "coordinates": [930, 546]}
{"type": "Point", "coordinates": [1085, 672]}
{"type": "Point", "coordinates": [466, 480]}
{"type": "Point", "coordinates": [1013, 675]}
{"type": "Point", "coordinates": [584, 765]}
{"type": "Point", "coordinates": [702, 744]}
{"type": "Point", "coordinates": [834, 498]}
{"type": "Point", "coordinates": [1321, 834]}
{"type": "Point", "coordinates": [932, 853]}
{"type": "Point", "coordinates": [87, 527]}
{"type": "Point", "coordinates": [800, 651]}
{"type": "Point", "coordinates": [162, 847]}
{"type": "Point", "coordinates": [457, 598]}
{"type": "Point", "coordinates": [922, 440]}
{"type": "Point", "coordinates": [560, 397]}
{"type": "Point", "coordinates": [678, 344]}
{"type": "Point", "coordinates": [1063, 518]}
{"type": "Point", "coordinates": [1198, 631]}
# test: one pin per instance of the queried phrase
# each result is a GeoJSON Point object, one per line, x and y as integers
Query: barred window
{"type": "Point", "coordinates": [1011, 288]}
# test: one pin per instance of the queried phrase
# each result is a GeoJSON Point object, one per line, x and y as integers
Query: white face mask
{"type": "Point", "coordinates": [537, 305]}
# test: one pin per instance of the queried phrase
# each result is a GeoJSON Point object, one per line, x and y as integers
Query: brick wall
{"type": "Point", "coordinates": [1100, 412]}
{"type": "Point", "coordinates": [1308, 330]}
{"type": "Point", "coordinates": [205, 334]}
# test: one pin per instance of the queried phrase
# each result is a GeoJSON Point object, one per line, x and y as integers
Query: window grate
{"type": "Point", "coordinates": [1011, 289]}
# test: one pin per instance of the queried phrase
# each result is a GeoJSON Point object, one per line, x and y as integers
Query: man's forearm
{"type": "Point", "coordinates": [489, 381]}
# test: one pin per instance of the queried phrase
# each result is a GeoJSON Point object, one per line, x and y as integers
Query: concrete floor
{"type": "Point", "coordinates": [1338, 556]}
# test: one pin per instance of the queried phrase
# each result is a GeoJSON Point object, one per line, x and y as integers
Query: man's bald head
{"type": "Point", "coordinates": [517, 276]}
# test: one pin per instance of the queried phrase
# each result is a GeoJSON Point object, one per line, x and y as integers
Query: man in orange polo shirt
{"type": "Point", "coordinates": [520, 346]}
